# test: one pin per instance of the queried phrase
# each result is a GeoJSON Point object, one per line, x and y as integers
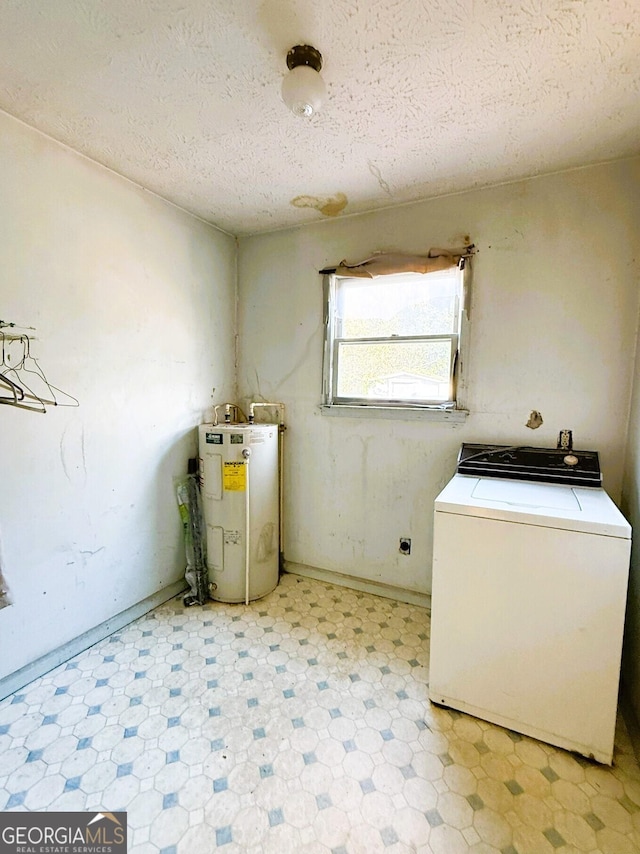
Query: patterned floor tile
{"type": "Point", "coordinates": [299, 723]}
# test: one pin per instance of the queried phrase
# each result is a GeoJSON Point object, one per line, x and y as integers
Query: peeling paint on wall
{"type": "Point", "coordinates": [331, 206]}
{"type": "Point", "coordinates": [535, 420]}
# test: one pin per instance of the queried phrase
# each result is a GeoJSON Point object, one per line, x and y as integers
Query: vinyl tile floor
{"type": "Point", "coordinates": [300, 723]}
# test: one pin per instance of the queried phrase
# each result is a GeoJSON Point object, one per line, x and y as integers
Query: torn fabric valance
{"type": "Point", "coordinates": [388, 263]}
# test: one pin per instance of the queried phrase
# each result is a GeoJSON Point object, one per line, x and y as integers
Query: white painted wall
{"type": "Point", "coordinates": [631, 508]}
{"type": "Point", "coordinates": [134, 303]}
{"type": "Point", "coordinates": [553, 323]}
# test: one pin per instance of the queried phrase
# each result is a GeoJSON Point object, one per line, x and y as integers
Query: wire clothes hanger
{"type": "Point", "coordinates": [24, 395]}
{"type": "Point", "coordinates": [32, 402]}
{"type": "Point", "coordinates": [16, 390]}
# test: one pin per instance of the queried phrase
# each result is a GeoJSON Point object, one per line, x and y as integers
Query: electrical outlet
{"type": "Point", "coordinates": [405, 545]}
{"type": "Point", "coordinates": [565, 440]}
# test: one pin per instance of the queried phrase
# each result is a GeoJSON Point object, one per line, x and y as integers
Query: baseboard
{"type": "Point", "coordinates": [14, 681]}
{"type": "Point", "coordinates": [389, 591]}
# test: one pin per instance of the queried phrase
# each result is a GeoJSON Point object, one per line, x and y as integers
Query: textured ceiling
{"type": "Point", "coordinates": [425, 97]}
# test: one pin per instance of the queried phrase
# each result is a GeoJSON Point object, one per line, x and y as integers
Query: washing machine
{"type": "Point", "coordinates": [530, 572]}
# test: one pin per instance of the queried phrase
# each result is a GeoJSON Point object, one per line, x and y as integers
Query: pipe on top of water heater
{"type": "Point", "coordinates": [280, 407]}
{"type": "Point", "coordinates": [227, 413]}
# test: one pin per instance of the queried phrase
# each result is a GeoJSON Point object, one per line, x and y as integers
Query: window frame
{"type": "Point", "coordinates": [459, 341]}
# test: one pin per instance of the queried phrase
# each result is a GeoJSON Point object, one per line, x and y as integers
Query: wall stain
{"type": "Point", "coordinates": [73, 454]}
{"type": "Point", "coordinates": [302, 360]}
{"type": "Point", "coordinates": [331, 206]}
{"type": "Point", "coordinates": [62, 456]}
{"type": "Point", "coordinates": [92, 553]}
{"type": "Point", "coordinates": [84, 458]}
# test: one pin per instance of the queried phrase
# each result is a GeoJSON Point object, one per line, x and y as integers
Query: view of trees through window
{"type": "Point", "coordinates": [396, 310]}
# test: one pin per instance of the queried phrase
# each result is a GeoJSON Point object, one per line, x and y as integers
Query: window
{"type": "Point", "coordinates": [394, 340]}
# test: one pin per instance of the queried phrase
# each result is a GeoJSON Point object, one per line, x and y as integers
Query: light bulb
{"type": "Point", "coordinates": [303, 91]}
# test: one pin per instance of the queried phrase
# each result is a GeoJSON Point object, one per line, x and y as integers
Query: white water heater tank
{"type": "Point", "coordinates": [239, 471]}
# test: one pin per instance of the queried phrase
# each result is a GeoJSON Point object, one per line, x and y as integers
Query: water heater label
{"type": "Point", "coordinates": [234, 477]}
{"type": "Point", "coordinates": [232, 538]}
{"type": "Point", "coordinates": [237, 439]}
{"type": "Point", "coordinates": [214, 438]}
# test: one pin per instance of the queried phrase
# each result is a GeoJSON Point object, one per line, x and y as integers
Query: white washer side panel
{"type": "Point", "coordinates": [527, 626]}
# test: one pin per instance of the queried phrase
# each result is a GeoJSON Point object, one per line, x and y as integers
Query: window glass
{"type": "Point", "coordinates": [410, 304]}
{"type": "Point", "coordinates": [408, 370]}
{"type": "Point", "coordinates": [393, 339]}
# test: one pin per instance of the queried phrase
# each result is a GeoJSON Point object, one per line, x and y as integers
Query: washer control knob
{"type": "Point", "coordinates": [571, 460]}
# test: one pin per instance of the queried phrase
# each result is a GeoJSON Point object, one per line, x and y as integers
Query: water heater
{"type": "Point", "coordinates": [239, 471]}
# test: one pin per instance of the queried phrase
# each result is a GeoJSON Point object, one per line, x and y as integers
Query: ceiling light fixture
{"type": "Point", "coordinates": [303, 88]}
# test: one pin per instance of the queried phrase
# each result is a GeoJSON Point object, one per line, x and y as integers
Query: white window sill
{"type": "Point", "coordinates": [403, 413]}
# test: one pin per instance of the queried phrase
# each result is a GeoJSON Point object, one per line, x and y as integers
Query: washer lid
{"type": "Point", "coordinates": [583, 509]}
{"type": "Point", "coordinates": [521, 494]}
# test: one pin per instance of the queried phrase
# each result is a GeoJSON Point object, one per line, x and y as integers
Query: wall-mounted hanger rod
{"type": "Point", "coordinates": [5, 323]}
